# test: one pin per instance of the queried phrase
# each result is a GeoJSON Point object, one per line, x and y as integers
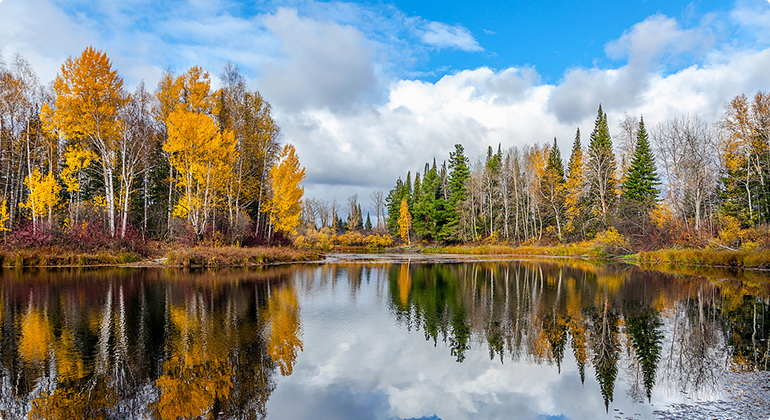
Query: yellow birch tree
{"type": "Point", "coordinates": [89, 96]}
{"type": "Point", "coordinates": [286, 203]}
{"type": "Point", "coordinates": [405, 222]}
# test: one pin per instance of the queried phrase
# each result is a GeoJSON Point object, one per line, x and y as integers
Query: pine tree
{"type": "Point", "coordinates": [642, 177]}
{"type": "Point", "coordinates": [393, 204]}
{"type": "Point", "coordinates": [368, 225]}
{"type": "Point", "coordinates": [601, 169]}
{"type": "Point", "coordinates": [456, 190]}
{"type": "Point", "coordinates": [552, 187]}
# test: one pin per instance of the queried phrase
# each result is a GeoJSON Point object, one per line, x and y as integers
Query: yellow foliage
{"type": "Point", "coordinates": [76, 159]}
{"type": "Point", "coordinates": [405, 222]}
{"type": "Point", "coordinates": [36, 336]}
{"type": "Point", "coordinates": [286, 202]}
{"type": "Point", "coordinates": [89, 95]}
{"type": "Point", "coordinates": [43, 192]}
{"type": "Point", "coordinates": [285, 329]}
{"type": "Point", "coordinates": [4, 217]}
{"type": "Point", "coordinates": [198, 373]}
{"type": "Point", "coordinates": [202, 154]}
{"type": "Point", "coordinates": [611, 240]}
{"type": "Point", "coordinates": [730, 234]}
{"type": "Point", "coordinates": [404, 284]}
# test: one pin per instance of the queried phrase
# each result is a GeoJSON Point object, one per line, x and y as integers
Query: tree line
{"type": "Point", "coordinates": [182, 160]}
{"type": "Point", "coordinates": [683, 181]}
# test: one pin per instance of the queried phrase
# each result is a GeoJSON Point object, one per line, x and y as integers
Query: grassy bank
{"type": "Point", "coordinates": [709, 257]}
{"type": "Point", "coordinates": [58, 257]}
{"type": "Point", "coordinates": [572, 250]}
{"type": "Point", "coordinates": [204, 256]}
{"type": "Point", "coordinates": [201, 256]}
{"type": "Point", "coordinates": [756, 259]}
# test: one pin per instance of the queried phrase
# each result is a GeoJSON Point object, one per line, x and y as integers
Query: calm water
{"type": "Point", "coordinates": [451, 341]}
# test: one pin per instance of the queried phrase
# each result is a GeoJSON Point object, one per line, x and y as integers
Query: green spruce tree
{"type": "Point", "coordinates": [640, 186]}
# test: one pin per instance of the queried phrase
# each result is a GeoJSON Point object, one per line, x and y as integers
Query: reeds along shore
{"type": "Point", "coordinates": [201, 256]}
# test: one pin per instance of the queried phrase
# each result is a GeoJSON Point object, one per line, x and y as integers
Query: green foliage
{"type": "Point", "coordinates": [640, 185]}
{"type": "Point", "coordinates": [601, 170]}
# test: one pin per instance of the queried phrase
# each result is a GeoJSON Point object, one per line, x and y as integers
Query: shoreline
{"type": "Point", "coordinates": [222, 257]}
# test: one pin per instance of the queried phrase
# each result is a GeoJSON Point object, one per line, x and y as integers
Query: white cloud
{"type": "Point", "coordinates": [658, 36]}
{"type": "Point", "coordinates": [323, 64]}
{"type": "Point", "coordinates": [441, 35]}
{"type": "Point", "coordinates": [753, 17]}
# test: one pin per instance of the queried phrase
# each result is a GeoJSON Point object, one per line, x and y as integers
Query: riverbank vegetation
{"type": "Point", "coordinates": [88, 168]}
{"type": "Point", "coordinates": [684, 190]}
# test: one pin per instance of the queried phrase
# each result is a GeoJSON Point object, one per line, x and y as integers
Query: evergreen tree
{"type": "Point", "coordinates": [601, 169]}
{"type": "Point", "coordinates": [644, 329]}
{"type": "Point", "coordinates": [368, 225]}
{"type": "Point", "coordinates": [552, 186]}
{"type": "Point", "coordinates": [642, 179]}
{"type": "Point", "coordinates": [459, 173]}
{"type": "Point", "coordinates": [393, 205]}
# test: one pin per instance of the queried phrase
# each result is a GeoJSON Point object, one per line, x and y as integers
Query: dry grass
{"type": "Point", "coordinates": [723, 258]}
{"type": "Point", "coordinates": [206, 256]}
{"type": "Point", "coordinates": [60, 257]}
{"type": "Point", "coordinates": [580, 249]}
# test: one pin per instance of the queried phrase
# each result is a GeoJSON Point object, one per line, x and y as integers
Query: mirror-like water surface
{"type": "Point", "coordinates": [451, 341]}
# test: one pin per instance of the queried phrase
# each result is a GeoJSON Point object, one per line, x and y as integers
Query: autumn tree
{"type": "Point", "coordinates": [575, 197]}
{"type": "Point", "coordinates": [201, 155]}
{"type": "Point", "coordinates": [89, 98]}
{"type": "Point", "coordinates": [249, 116]}
{"type": "Point", "coordinates": [43, 195]}
{"type": "Point", "coordinates": [405, 222]}
{"type": "Point", "coordinates": [287, 190]}
{"type": "Point", "coordinates": [744, 152]}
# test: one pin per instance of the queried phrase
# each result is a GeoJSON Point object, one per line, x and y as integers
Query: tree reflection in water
{"type": "Point", "coordinates": [172, 344]}
{"type": "Point", "coordinates": [678, 330]}
{"type": "Point", "coordinates": [149, 343]}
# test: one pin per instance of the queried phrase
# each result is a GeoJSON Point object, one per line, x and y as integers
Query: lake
{"type": "Point", "coordinates": [377, 340]}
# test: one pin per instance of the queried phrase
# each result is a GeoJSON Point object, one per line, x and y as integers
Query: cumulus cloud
{"type": "Point", "coordinates": [441, 35]}
{"type": "Point", "coordinates": [324, 64]}
{"type": "Point", "coordinates": [645, 46]}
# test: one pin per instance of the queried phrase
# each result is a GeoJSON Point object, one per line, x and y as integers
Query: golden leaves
{"type": "Point", "coordinates": [286, 203]}
{"type": "Point", "coordinates": [43, 192]}
{"type": "Point", "coordinates": [285, 329]}
{"type": "Point", "coordinates": [405, 221]}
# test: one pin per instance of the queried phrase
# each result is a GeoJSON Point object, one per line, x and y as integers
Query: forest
{"type": "Point", "coordinates": [84, 162]}
{"type": "Point", "coordinates": [683, 182]}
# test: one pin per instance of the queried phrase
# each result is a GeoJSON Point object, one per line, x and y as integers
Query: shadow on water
{"type": "Point", "coordinates": [156, 343]}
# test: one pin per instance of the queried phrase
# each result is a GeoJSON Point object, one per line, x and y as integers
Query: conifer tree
{"type": "Point", "coordinates": [552, 187]}
{"type": "Point", "coordinates": [456, 190]}
{"type": "Point", "coordinates": [642, 176]}
{"type": "Point", "coordinates": [368, 225]}
{"type": "Point", "coordinates": [601, 169]}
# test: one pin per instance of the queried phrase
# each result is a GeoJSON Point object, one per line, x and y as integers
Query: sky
{"type": "Point", "coordinates": [369, 90]}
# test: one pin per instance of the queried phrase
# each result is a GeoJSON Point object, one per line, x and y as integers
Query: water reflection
{"type": "Point", "coordinates": [644, 327]}
{"type": "Point", "coordinates": [146, 343]}
{"type": "Point", "coordinates": [171, 344]}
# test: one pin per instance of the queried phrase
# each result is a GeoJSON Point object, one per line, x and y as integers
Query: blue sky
{"type": "Point", "coordinates": [369, 90]}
